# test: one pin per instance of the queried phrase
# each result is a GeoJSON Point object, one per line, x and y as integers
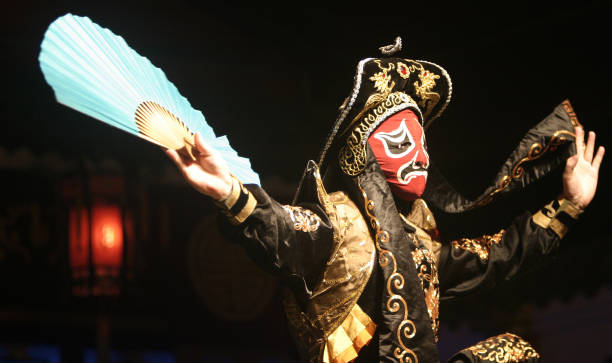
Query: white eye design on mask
{"type": "Point", "coordinates": [397, 143]}
{"type": "Point", "coordinates": [425, 149]}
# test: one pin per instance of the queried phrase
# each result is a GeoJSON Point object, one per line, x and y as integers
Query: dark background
{"type": "Point", "coordinates": [272, 80]}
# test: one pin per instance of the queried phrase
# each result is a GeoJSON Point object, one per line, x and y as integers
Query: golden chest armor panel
{"type": "Point", "coordinates": [426, 257]}
{"type": "Point", "coordinates": [332, 325]}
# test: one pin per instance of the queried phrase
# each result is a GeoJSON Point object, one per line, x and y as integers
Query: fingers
{"type": "Point", "coordinates": [579, 140]}
{"type": "Point", "coordinates": [598, 157]}
{"type": "Point", "coordinates": [590, 147]}
{"type": "Point", "coordinates": [178, 160]}
{"type": "Point", "coordinates": [204, 149]}
{"type": "Point", "coordinates": [586, 151]}
{"type": "Point", "coordinates": [174, 156]}
{"type": "Point", "coordinates": [571, 163]}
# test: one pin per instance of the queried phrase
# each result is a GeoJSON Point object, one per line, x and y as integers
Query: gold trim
{"type": "Point", "coordinates": [228, 203]}
{"type": "Point", "coordinates": [395, 302]}
{"type": "Point", "coordinates": [423, 261]}
{"type": "Point", "coordinates": [426, 256]}
{"type": "Point", "coordinates": [558, 227]}
{"type": "Point", "coordinates": [352, 156]}
{"type": "Point", "coordinates": [373, 101]}
{"type": "Point", "coordinates": [330, 209]}
{"type": "Point", "coordinates": [536, 151]}
{"type": "Point", "coordinates": [567, 106]}
{"type": "Point", "coordinates": [344, 343]}
{"type": "Point", "coordinates": [480, 246]}
{"type": "Point", "coordinates": [541, 220]}
{"type": "Point", "coordinates": [232, 198]}
{"type": "Point", "coordinates": [249, 207]}
{"type": "Point", "coordinates": [347, 356]}
{"type": "Point", "coordinates": [569, 208]}
{"type": "Point", "coordinates": [504, 348]}
{"type": "Point", "coordinates": [544, 216]}
{"type": "Point", "coordinates": [547, 216]}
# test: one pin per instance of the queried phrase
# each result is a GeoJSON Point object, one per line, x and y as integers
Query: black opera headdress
{"type": "Point", "coordinates": [382, 87]}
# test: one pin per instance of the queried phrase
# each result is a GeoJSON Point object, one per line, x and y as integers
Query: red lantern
{"type": "Point", "coordinates": [96, 235]}
{"type": "Point", "coordinates": [106, 239]}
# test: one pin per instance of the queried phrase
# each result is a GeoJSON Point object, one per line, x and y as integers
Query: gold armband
{"type": "Point", "coordinates": [239, 204]}
{"type": "Point", "coordinates": [557, 215]}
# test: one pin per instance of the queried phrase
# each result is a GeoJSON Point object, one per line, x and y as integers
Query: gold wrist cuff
{"type": "Point", "coordinates": [239, 204]}
{"type": "Point", "coordinates": [558, 227]}
{"type": "Point", "coordinates": [245, 212]}
{"type": "Point", "coordinates": [570, 208]}
{"type": "Point", "coordinates": [229, 201]}
{"type": "Point", "coordinates": [548, 217]}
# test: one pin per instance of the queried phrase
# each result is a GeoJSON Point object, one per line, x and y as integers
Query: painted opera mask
{"type": "Point", "coordinates": [399, 147]}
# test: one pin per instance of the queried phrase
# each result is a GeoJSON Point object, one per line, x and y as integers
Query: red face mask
{"type": "Point", "coordinates": [399, 146]}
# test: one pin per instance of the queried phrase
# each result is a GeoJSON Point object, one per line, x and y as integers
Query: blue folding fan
{"type": "Point", "coordinates": [95, 72]}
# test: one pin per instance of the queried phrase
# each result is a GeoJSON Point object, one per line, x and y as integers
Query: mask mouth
{"type": "Point", "coordinates": [408, 177]}
{"type": "Point", "coordinates": [411, 170]}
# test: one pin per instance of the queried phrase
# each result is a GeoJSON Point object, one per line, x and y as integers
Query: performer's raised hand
{"type": "Point", "coordinates": [582, 170]}
{"type": "Point", "coordinates": [208, 174]}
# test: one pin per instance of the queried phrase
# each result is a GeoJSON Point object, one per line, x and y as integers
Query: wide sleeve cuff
{"type": "Point", "coordinates": [239, 204]}
{"type": "Point", "coordinates": [557, 216]}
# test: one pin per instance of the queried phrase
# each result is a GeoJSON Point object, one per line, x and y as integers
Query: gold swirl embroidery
{"type": "Point", "coordinates": [352, 156]}
{"type": "Point", "coordinates": [567, 106]}
{"type": "Point", "coordinates": [504, 348]}
{"type": "Point", "coordinates": [381, 79]}
{"type": "Point", "coordinates": [480, 246]}
{"type": "Point", "coordinates": [396, 302]}
{"type": "Point", "coordinates": [427, 99]}
{"type": "Point", "coordinates": [428, 276]}
{"type": "Point", "coordinates": [536, 151]}
{"type": "Point", "coordinates": [303, 219]}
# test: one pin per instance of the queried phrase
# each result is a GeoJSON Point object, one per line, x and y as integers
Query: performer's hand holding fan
{"type": "Point", "coordinates": [95, 72]}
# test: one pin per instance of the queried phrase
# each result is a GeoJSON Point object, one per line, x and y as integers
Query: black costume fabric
{"type": "Point", "coordinates": [542, 149]}
{"type": "Point", "coordinates": [394, 297]}
{"type": "Point", "coordinates": [298, 257]}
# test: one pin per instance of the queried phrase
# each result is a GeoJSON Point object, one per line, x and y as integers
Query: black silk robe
{"type": "Point", "coordinates": [464, 266]}
{"type": "Point", "coordinates": [394, 296]}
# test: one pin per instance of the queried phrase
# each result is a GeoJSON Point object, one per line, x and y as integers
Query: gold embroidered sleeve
{"type": "Point", "coordinates": [557, 216]}
{"type": "Point", "coordinates": [239, 204]}
{"type": "Point", "coordinates": [472, 264]}
{"type": "Point", "coordinates": [480, 246]}
{"type": "Point", "coordinates": [504, 348]}
{"type": "Point", "coordinates": [303, 219]}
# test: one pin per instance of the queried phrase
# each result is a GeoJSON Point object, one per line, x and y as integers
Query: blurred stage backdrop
{"type": "Point", "coordinates": [106, 255]}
